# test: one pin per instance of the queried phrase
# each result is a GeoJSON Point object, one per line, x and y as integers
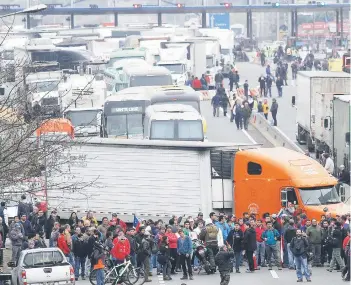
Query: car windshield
{"type": "Point", "coordinates": [144, 80]}
{"type": "Point", "coordinates": [174, 68]}
{"type": "Point", "coordinates": [319, 195]}
{"type": "Point", "coordinates": [46, 86]}
{"type": "Point", "coordinates": [83, 118]}
{"type": "Point", "coordinates": [44, 258]}
{"type": "Point", "coordinates": [225, 51]}
{"type": "Point", "coordinates": [124, 125]}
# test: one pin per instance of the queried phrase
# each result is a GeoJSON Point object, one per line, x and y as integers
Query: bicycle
{"type": "Point", "coordinates": [124, 273]}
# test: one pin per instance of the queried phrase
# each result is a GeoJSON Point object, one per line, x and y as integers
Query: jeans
{"type": "Point", "coordinates": [174, 254]}
{"type": "Point", "coordinates": [146, 266]}
{"type": "Point", "coordinates": [238, 121]}
{"type": "Point", "coordinates": [336, 258]}
{"type": "Point", "coordinates": [261, 249]}
{"type": "Point", "coordinates": [215, 111]}
{"type": "Point", "coordinates": [246, 123]}
{"type": "Point", "coordinates": [274, 116]}
{"type": "Point", "coordinates": [87, 267]}
{"type": "Point", "coordinates": [133, 259]}
{"type": "Point", "coordinates": [272, 250]}
{"type": "Point", "coordinates": [269, 91]}
{"type": "Point", "coordinates": [100, 277]}
{"type": "Point", "coordinates": [16, 250]}
{"type": "Point", "coordinates": [166, 270]}
{"type": "Point", "coordinates": [250, 261]}
{"type": "Point", "coordinates": [153, 261]}
{"type": "Point", "coordinates": [280, 91]}
{"type": "Point", "coordinates": [301, 263]}
{"type": "Point", "coordinates": [212, 251]}
{"type": "Point", "coordinates": [291, 257]}
{"type": "Point", "coordinates": [186, 264]}
{"type": "Point", "coordinates": [316, 250]}
{"type": "Point", "coordinates": [238, 259]}
{"type": "Point", "coordinates": [79, 264]}
{"type": "Point", "coordinates": [70, 259]}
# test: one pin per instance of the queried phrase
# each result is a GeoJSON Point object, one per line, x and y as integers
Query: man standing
{"type": "Point", "coordinates": [274, 111]}
{"type": "Point", "coordinates": [216, 102]}
{"type": "Point", "coordinates": [184, 249]}
{"type": "Point", "coordinates": [314, 234]}
{"type": "Point", "coordinates": [224, 265]}
{"type": "Point", "coordinates": [235, 240]}
{"type": "Point", "coordinates": [289, 234]}
{"type": "Point", "coordinates": [209, 235]}
{"type": "Point", "coordinates": [250, 246]}
{"type": "Point", "coordinates": [299, 247]}
{"type": "Point", "coordinates": [270, 236]}
{"type": "Point", "coordinates": [279, 83]}
{"type": "Point", "coordinates": [337, 246]}
{"type": "Point", "coordinates": [219, 79]}
{"type": "Point", "coordinates": [261, 248]}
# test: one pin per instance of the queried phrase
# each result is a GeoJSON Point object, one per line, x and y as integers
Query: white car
{"type": "Point", "coordinates": [41, 266]}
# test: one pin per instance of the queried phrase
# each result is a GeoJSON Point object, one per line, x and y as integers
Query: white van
{"type": "Point", "coordinates": [42, 266]}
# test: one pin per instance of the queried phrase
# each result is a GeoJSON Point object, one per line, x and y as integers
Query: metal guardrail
{"type": "Point", "coordinates": [273, 134]}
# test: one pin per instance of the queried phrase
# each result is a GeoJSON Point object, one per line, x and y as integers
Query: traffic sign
{"type": "Point", "coordinates": [220, 20]}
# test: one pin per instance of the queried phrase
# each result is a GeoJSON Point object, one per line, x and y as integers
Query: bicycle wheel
{"type": "Point", "coordinates": [92, 277]}
{"type": "Point", "coordinates": [135, 276]}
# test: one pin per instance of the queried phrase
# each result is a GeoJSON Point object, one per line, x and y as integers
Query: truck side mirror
{"type": "Point", "coordinates": [293, 100]}
{"type": "Point", "coordinates": [347, 137]}
{"type": "Point", "coordinates": [11, 264]}
{"type": "Point", "coordinates": [325, 209]}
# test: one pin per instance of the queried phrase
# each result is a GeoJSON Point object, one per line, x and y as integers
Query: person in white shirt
{"type": "Point", "coordinates": [329, 163]}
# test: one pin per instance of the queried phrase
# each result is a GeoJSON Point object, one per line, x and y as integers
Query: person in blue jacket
{"type": "Point", "coordinates": [270, 236]}
{"type": "Point", "coordinates": [223, 227]}
{"type": "Point", "coordinates": [185, 249]}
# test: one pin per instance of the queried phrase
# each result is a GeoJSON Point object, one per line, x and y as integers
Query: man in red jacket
{"type": "Point", "coordinates": [260, 243]}
{"type": "Point", "coordinates": [196, 84]}
{"type": "Point", "coordinates": [121, 248]}
{"type": "Point", "coordinates": [62, 243]}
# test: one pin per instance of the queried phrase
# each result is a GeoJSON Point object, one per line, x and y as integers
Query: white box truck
{"type": "Point", "coordinates": [315, 91]}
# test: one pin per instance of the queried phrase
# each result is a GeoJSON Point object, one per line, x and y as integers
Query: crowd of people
{"type": "Point", "coordinates": [288, 239]}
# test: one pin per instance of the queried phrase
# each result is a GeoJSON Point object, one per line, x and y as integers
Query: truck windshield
{"type": "Point", "coordinates": [174, 68]}
{"type": "Point", "coordinates": [44, 258]}
{"type": "Point", "coordinates": [46, 86]}
{"type": "Point", "coordinates": [194, 104]}
{"type": "Point", "coordinates": [83, 117]}
{"type": "Point", "coordinates": [319, 195]}
{"type": "Point", "coordinates": [124, 125]}
{"type": "Point", "coordinates": [144, 80]}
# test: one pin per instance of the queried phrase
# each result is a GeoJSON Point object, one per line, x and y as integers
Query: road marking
{"type": "Point", "coordinates": [249, 137]}
{"type": "Point", "coordinates": [274, 274]}
{"type": "Point", "coordinates": [160, 280]}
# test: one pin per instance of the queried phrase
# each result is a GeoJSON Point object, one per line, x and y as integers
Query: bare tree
{"type": "Point", "coordinates": [25, 160]}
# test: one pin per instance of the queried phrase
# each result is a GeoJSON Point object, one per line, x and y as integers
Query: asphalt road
{"type": "Point", "coordinates": [263, 277]}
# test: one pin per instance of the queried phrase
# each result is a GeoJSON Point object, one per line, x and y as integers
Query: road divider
{"type": "Point", "coordinates": [273, 134]}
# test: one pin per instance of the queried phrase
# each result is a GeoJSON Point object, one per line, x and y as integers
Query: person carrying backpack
{"type": "Point", "coordinates": [209, 235]}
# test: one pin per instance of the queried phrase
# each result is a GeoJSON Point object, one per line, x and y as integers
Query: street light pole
{"type": "Point", "coordinates": [29, 10]}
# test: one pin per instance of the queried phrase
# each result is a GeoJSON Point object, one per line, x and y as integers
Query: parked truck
{"type": "Point", "coordinates": [158, 179]}
{"type": "Point", "coordinates": [315, 93]}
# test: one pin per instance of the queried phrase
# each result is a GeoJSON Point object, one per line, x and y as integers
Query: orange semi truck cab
{"type": "Point", "coordinates": [266, 179]}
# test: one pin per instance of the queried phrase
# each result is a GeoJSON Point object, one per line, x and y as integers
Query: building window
{"type": "Point", "coordinates": [254, 168]}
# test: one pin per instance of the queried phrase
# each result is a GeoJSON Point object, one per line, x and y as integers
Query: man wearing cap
{"type": "Point", "coordinates": [200, 218]}
{"type": "Point", "coordinates": [209, 235]}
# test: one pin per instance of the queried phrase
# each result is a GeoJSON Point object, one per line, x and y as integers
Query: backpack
{"type": "Point", "coordinates": [211, 232]}
{"type": "Point", "coordinates": [154, 248]}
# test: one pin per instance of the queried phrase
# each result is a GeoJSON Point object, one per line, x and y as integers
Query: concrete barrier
{"type": "Point", "coordinates": [273, 134]}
